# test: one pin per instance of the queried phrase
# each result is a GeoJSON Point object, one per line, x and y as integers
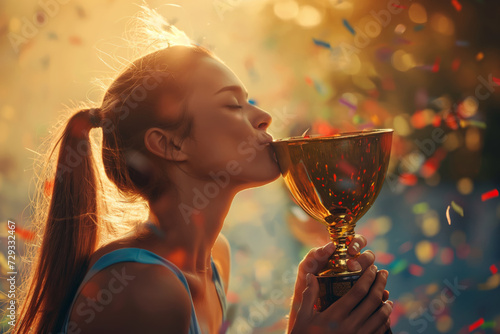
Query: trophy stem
{"type": "Point", "coordinates": [341, 233]}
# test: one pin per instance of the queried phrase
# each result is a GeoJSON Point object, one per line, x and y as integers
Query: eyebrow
{"type": "Point", "coordinates": [235, 88]}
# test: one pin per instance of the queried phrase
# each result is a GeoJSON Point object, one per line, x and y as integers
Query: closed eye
{"type": "Point", "coordinates": [234, 106]}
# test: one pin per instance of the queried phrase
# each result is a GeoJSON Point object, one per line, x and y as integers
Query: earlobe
{"type": "Point", "coordinates": [164, 144]}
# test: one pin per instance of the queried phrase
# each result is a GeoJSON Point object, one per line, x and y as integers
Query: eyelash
{"type": "Point", "coordinates": [235, 106]}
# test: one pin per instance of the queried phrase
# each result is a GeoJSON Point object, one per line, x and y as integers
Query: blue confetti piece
{"type": "Point", "coordinates": [252, 102]}
{"type": "Point", "coordinates": [462, 43]}
{"type": "Point", "coordinates": [322, 43]}
{"type": "Point", "coordinates": [348, 26]}
{"type": "Point", "coordinates": [418, 27]}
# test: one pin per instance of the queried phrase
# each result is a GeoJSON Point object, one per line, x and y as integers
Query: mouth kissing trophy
{"type": "Point", "coordinates": [335, 179]}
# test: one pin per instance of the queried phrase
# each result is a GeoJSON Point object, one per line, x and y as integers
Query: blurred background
{"type": "Point", "coordinates": [428, 69]}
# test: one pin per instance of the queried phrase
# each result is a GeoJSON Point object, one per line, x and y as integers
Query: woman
{"type": "Point", "coordinates": [179, 132]}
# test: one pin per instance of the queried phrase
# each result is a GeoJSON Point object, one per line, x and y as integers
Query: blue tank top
{"type": "Point", "coordinates": [144, 256]}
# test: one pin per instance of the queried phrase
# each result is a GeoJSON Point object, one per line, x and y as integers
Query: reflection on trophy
{"type": "Point", "coordinates": [335, 179]}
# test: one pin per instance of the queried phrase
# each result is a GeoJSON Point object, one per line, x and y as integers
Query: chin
{"type": "Point", "coordinates": [261, 174]}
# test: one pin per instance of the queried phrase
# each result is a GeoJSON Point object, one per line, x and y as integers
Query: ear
{"type": "Point", "coordinates": [165, 144]}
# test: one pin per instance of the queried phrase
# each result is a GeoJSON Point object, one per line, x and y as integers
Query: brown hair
{"type": "Point", "coordinates": [72, 225]}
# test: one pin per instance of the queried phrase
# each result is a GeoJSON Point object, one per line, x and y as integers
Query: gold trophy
{"type": "Point", "coordinates": [335, 179]}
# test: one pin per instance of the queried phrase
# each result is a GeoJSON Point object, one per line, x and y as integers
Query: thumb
{"type": "Point", "coordinates": [309, 297]}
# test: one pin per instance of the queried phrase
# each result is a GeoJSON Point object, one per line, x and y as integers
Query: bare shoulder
{"type": "Point", "coordinates": [132, 297]}
{"type": "Point", "coordinates": [221, 253]}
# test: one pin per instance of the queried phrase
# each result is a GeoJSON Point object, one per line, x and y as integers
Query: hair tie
{"type": "Point", "coordinates": [94, 117]}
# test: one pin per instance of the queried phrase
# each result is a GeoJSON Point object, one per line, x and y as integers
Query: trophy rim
{"type": "Point", "coordinates": [337, 136]}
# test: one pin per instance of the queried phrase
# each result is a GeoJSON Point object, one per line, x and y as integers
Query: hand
{"type": "Point", "coordinates": [370, 316]}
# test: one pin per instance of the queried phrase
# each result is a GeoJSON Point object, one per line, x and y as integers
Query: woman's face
{"type": "Point", "coordinates": [228, 137]}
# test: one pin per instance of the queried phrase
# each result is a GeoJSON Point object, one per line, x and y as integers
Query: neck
{"type": "Point", "coordinates": [189, 223]}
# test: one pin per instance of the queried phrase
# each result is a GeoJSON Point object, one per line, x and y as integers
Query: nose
{"type": "Point", "coordinates": [261, 119]}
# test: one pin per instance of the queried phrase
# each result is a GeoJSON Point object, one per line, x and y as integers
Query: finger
{"type": "Point", "coordinates": [355, 295]}
{"type": "Point", "coordinates": [372, 301]}
{"type": "Point", "coordinates": [315, 260]}
{"type": "Point", "coordinates": [380, 321]}
{"type": "Point", "coordinates": [363, 261]}
{"type": "Point", "coordinates": [356, 244]}
{"type": "Point", "coordinates": [385, 296]}
{"type": "Point", "coordinates": [309, 298]}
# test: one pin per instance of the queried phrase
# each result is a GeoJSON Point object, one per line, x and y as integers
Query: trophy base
{"type": "Point", "coordinates": [332, 288]}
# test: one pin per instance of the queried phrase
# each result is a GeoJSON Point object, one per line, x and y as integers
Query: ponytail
{"type": "Point", "coordinates": [70, 234]}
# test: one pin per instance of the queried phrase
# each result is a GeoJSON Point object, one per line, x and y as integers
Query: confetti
{"type": "Point", "coordinates": [492, 283]}
{"type": "Point", "coordinates": [252, 102]}
{"type": "Point", "coordinates": [418, 27]}
{"type": "Point", "coordinates": [304, 134]}
{"type": "Point", "coordinates": [493, 269]}
{"type": "Point", "coordinates": [455, 64]}
{"type": "Point", "coordinates": [476, 324]}
{"type": "Point", "coordinates": [416, 270]}
{"type": "Point", "coordinates": [457, 5]}
{"type": "Point", "coordinates": [489, 324]}
{"type": "Point", "coordinates": [489, 195]}
{"type": "Point", "coordinates": [399, 6]}
{"type": "Point", "coordinates": [479, 56]}
{"type": "Point", "coordinates": [347, 103]}
{"type": "Point", "coordinates": [25, 234]}
{"type": "Point", "coordinates": [435, 67]}
{"type": "Point", "coordinates": [348, 26]}
{"type": "Point", "coordinates": [309, 81]}
{"type": "Point", "coordinates": [461, 43]}
{"type": "Point", "coordinates": [448, 215]}
{"type": "Point", "coordinates": [322, 43]}
{"type": "Point", "coordinates": [458, 209]}
{"type": "Point", "coordinates": [420, 208]}
{"type": "Point", "coordinates": [496, 80]}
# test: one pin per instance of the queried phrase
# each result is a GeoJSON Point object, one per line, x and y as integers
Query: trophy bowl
{"type": "Point", "coordinates": [335, 179]}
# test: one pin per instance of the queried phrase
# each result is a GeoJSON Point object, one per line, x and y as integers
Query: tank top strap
{"type": "Point", "coordinates": [220, 290]}
{"type": "Point", "coordinates": [142, 256]}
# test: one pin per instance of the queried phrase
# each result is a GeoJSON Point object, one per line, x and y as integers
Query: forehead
{"type": "Point", "coordinates": [210, 75]}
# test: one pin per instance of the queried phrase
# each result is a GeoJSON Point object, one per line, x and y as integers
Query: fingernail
{"type": "Point", "coordinates": [355, 246]}
{"type": "Point", "coordinates": [356, 265]}
{"type": "Point", "coordinates": [390, 302]}
{"type": "Point", "coordinates": [384, 273]}
{"type": "Point", "coordinates": [330, 247]}
{"type": "Point", "coordinates": [308, 278]}
{"type": "Point", "coordinates": [374, 268]}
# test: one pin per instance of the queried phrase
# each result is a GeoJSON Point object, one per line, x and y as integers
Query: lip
{"type": "Point", "coordinates": [268, 139]}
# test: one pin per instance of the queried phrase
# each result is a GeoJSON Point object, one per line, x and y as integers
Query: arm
{"type": "Point", "coordinates": [221, 253]}
{"type": "Point", "coordinates": [132, 298]}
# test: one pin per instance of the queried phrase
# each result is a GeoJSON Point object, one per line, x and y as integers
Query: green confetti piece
{"type": "Point", "coordinates": [420, 208]}
{"type": "Point", "coordinates": [458, 209]}
{"type": "Point", "coordinates": [489, 324]}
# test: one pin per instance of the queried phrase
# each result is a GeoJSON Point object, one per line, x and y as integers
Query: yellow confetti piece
{"type": "Point", "coordinates": [448, 215]}
{"type": "Point", "coordinates": [458, 209]}
{"type": "Point", "coordinates": [492, 283]}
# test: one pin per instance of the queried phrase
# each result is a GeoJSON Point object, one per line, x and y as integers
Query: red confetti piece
{"type": "Point", "coordinates": [399, 6]}
{"type": "Point", "coordinates": [489, 195]}
{"type": "Point", "coordinates": [408, 179]}
{"type": "Point", "coordinates": [405, 247]}
{"type": "Point", "coordinates": [496, 80]}
{"type": "Point", "coordinates": [493, 269]}
{"type": "Point", "coordinates": [455, 64]}
{"type": "Point", "coordinates": [476, 324]}
{"type": "Point", "coordinates": [25, 234]}
{"type": "Point", "coordinates": [384, 258]}
{"type": "Point", "coordinates": [416, 270]}
{"type": "Point", "coordinates": [48, 187]}
{"type": "Point", "coordinates": [435, 67]}
{"type": "Point", "coordinates": [457, 5]}
{"type": "Point", "coordinates": [309, 81]}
